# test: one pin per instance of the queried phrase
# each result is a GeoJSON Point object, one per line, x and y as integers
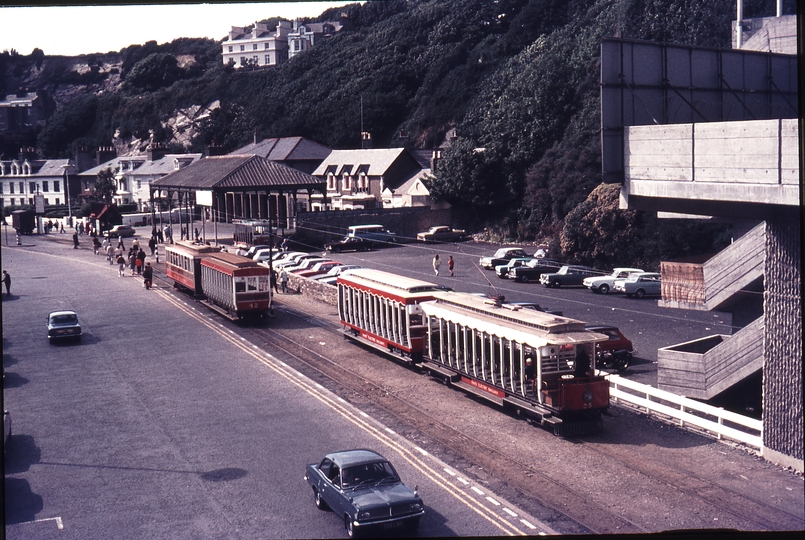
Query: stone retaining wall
{"type": "Point", "coordinates": [313, 289]}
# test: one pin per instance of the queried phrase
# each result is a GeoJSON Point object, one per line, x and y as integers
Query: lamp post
{"type": "Point", "coordinates": [67, 187]}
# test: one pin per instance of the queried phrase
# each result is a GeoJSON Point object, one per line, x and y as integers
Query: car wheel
{"type": "Point", "coordinates": [320, 504]}
{"type": "Point", "coordinates": [603, 289]}
{"type": "Point", "coordinates": [556, 284]}
{"type": "Point", "coordinates": [640, 293]}
{"type": "Point", "coordinates": [336, 250]}
{"type": "Point", "coordinates": [523, 279]}
{"type": "Point", "coordinates": [622, 361]}
{"type": "Point", "coordinates": [352, 532]}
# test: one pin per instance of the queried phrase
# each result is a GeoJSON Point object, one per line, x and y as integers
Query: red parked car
{"type": "Point", "coordinates": [616, 352]}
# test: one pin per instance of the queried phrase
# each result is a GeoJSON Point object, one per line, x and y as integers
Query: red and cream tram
{"type": "Point", "coordinates": [183, 265]}
{"type": "Point", "coordinates": [236, 286]}
{"type": "Point", "coordinates": [541, 365]}
{"type": "Point", "coordinates": [538, 364]}
{"type": "Point", "coordinates": [380, 309]}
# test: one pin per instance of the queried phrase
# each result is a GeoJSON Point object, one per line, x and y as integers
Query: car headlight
{"type": "Point", "coordinates": [364, 515]}
{"type": "Point", "coordinates": [416, 507]}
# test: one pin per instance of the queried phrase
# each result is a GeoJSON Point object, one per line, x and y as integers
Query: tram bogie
{"type": "Point", "coordinates": [540, 365]}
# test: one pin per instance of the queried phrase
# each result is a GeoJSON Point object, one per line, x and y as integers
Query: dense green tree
{"type": "Point", "coordinates": [156, 71]}
{"type": "Point", "coordinates": [104, 188]}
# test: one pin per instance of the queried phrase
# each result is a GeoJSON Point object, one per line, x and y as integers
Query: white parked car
{"type": "Point", "coordinates": [604, 284]}
{"type": "Point", "coordinates": [640, 285]}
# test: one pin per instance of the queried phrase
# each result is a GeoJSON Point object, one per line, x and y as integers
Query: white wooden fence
{"type": "Point", "coordinates": [687, 411]}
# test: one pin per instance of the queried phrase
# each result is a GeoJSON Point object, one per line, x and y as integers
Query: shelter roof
{"type": "Point", "coordinates": [238, 172]}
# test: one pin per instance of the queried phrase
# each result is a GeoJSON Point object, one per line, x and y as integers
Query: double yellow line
{"type": "Point", "coordinates": [357, 418]}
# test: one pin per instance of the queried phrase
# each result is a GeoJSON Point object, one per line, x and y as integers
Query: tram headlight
{"type": "Point", "coordinates": [587, 396]}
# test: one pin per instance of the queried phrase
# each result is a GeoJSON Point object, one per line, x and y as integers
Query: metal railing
{"type": "Point", "coordinates": [713, 420]}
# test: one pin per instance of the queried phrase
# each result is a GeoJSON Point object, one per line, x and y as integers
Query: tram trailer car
{"type": "Point", "coordinates": [236, 286]}
{"type": "Point", "coordinates": [183, 265]}
{"type": "Point", "coordinates": [542, 366]}
{"type": "Point", "coordinates": [379, 309]}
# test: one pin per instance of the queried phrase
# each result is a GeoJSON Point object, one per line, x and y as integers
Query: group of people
{"type": "Point", "coordinates": [437, 264]}
{"type": "Point", "coordinates": [134, 260]}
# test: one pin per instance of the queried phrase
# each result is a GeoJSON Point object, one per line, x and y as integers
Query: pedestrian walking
{"type": "Point", "coordinates": [96, 244]}
{"type": "Point", "coordinates": [110, 254]}
{"type": "Point", "coordinates": [451, 264]}
{"type": "Point", "coordinates": [7, 282]}
{"type": "Point", "coordinates": [139, 261]}
{"type": "Point", "coordinates": [61, 225]}
{"type": "Point", "coordinates": [284, 245]}
{"type": "Point", "coordinates": [132, 260]}
{"type": "Point", "coordinates": [120, 244]}
{"type": "Point", "coordinates": [273, 280]}
{"type": "Point", "coordinates": [284, 280]}
{"type": "Point", "coordinates": [121, 265]}
{"type": "Point", "coordinates": [148, 275]}
{"type": "Point", "coordinates": [152, 244]}
{"type": "Point", "coordinates": [437, 263]}
{"type": "Point", "coordinates": [75, 240]}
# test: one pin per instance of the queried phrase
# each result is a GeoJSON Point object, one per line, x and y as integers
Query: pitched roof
{"type": "Point", "coordinates": [378, 160]}
{"type": "Point", "coordinates": [285, 149]}
{"type": "Point", "coordinates": [238, 171]}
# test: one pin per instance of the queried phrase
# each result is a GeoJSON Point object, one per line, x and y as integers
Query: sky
{"type": "Point", "coordinates": [72, 30]}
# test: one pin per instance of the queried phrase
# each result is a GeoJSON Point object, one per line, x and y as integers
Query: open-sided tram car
{"type": "Point", "coordinates": [538, 364]}
{"type": "Point", "coordinates": [380, 309]}
{"type": "Point", "coordinates": [236, 286]}
{"type": "Point", "coordinates": [183, 265]}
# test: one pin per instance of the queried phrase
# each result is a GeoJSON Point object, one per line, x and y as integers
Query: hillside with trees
{"type": "Point", "coordinates": [517, 81]}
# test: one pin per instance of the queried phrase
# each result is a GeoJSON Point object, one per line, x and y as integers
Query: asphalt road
{"type": "Point", "coordinates": [164, 423]}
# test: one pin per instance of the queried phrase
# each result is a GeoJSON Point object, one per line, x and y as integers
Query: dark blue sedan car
{"type": "Point", "coordinates": [364, 490]}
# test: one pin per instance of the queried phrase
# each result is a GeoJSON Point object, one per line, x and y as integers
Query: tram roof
{"type": "Point", "coordinates": [190, 247]}
{"type": "Point", "coordinates": [388, 282]}
{"type": "Point", "coordinates": [508, 321]}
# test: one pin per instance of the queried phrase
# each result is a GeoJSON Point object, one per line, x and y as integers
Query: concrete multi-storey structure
{"type": "Point", "coordinates": [714, 134]}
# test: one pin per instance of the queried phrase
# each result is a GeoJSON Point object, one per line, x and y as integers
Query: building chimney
{"type": "Point", "coordinates": [214, 150]}
{"type": "Point", "coordinates": [27, 153]}
{"type": "Point", "coordinates": [257, 137]}
{"type": "Point", "coordinates": [104, 154]}
{"type": "Point", "coordinates": [155, 152]}
{"type": "Point", "coordinates": [434, 158]}
{"type": "Point", "coordinates": [366, 140]}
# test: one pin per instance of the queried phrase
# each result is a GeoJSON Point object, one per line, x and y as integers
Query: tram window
{"type": "Point", "coordinates": [264, 284]}
{"type": "Point", "coordinates": [251, 284]}
{"type": "Point", "coordinates": [240, 285]}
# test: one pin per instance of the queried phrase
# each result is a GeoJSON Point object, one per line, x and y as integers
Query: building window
{"type": "Point", "coordinates": [32, 185]}
{"type": "Point", "coordinates": [254, 59]}
{"type": "Point", "coordinates": [2, 187]}
{"type": "Point", "coordinates": [45, 186]}
{"type": "Point", "coordinates": [56, 186]}
{"type": "Point", "coordinates": [268, 59]}
{"type": "Point", "coordinates": [139, 184]}
{"type": "Point", "coordinates": [231, 48]}
{"type": "Point", "coordinates": [347, 182]}
{"type": "Point", "coordinates": [22, 188]}
{"type": "Point", "coordinates": [57, 201]}
{"type": "Point", "coordinates": [242, 60]}
{"type": "Point", "coordinates": [242, 48]}
{"type": "Point", "coordinates": [330, 183]}
{"type": "Point", "coordinates": [11, 187]}
{"type": "Point", "coordinates": [254, 47]}
{"type": "Point", "coordinates": [268, 46]}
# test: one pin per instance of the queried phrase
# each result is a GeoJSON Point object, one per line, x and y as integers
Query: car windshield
{"type": "Point", "coordinates": [64, 319]}
{"type": "Point", "coordinates": [368, 474]}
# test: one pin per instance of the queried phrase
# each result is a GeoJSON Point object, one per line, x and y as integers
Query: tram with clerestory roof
{"type": "Point", "coordinates": [539, 365]}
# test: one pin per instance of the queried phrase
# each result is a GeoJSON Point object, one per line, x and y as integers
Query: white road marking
{"type": "Point", "coordinates": [476, 490]}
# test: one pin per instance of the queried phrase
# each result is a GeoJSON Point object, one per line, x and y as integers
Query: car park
{"type": "Point", "coordinates": [501, 256]}
{"type": "Point", "coordinates": [567, 276]}
{"type": "Point", "coordinates": [615, 352]}
{"type": "Point", "coordinates": [120, 230]}
{"type": "Point", "coordinates": [275, 256]}
{"type": "Point", "coordinates": [502, 270]}
{"type": "Point", "coordinates": [319, 268]}
{"type": "Point", "coordinates": [63, 325]}
{"type": "Point", "coordinates": [640, 285]}
{"type": "Point", "coordinates": [533, 270]}
{"type": "Point", "coordinates": [442, 233]}
{"type": "Point", "coordinates": [350, 243]}
{"type": "Point", "coordinates": [304, 264]}
{"type": "Point", "coordinates": [294, 260]}
{"type": "Point", "coordinates": [364, 491]}
{"type": "Point", "coordinates": [251, 251]}
{"type": "Point", "coordinates": [335, 271]}
{"type": "Point", "coordinates": [605, 284]}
